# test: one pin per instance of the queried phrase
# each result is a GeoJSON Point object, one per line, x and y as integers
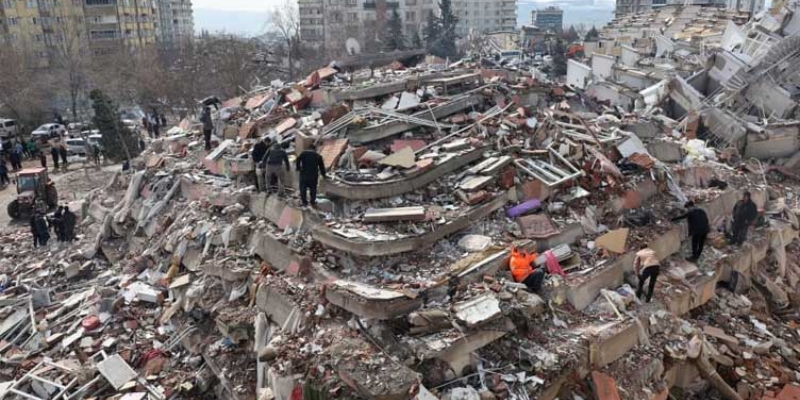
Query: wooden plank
{"type": "Point", "coordinates": [476, 183]}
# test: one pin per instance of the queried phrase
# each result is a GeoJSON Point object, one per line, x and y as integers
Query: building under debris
{"type": "Point", "coordinates": [185, 282]}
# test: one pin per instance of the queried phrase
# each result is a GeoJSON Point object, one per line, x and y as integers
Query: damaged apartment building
{"type": "Point", "coordinates": [185, 282]}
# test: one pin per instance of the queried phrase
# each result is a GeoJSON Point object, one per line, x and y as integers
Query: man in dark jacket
{"type": "Point", "coordinates": [698, 228]}
{"type": "Point", "coordinates": [54, 153]}
{"type": "Point", "coordinates": [4, 174]}
{"type": "Point", "coordinates": [62, 150]}
{"type": "Point", "coordinates": [745, 213]}
{"type": "Point", "coordinates": [310, 165]}
{"type": "Point", "coordinates": [259, 151]}
{"type": "Point", "coordinates": [208, 126]}
{"type": "Point", "coordinates": [39, 230]}
{"type": "Point", "coordinates": [272, 161]}
{"type": "Point", "coordinates": [57, 223]}
{"type": "Point", "coordinates": [69, 219]}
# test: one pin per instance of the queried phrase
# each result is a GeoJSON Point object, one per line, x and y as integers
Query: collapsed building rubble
{"type": "Point", "coordinates": [185, 282]}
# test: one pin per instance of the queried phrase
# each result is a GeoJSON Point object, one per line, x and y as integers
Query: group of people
{"type": "Point", "coordinates": [18, 150]}
{"type": "Point", "coordinates": [62, 222]}
{"type": "Point", "coordinates": [57, 151]}
{"type": "Point", "coordinates": [153, 123]}
{"type": "Point", "coordinates": [273, 168]}
{"type": "Point", "coordinates": [646, 264]}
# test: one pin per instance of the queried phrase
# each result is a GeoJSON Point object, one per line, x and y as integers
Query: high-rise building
{"type": "Point", "coordinates": [548, 18]}
{"type": "Point", "coordinates": [328, 24]}
{"type": "Point", "coordinates": [485, 16]}
{"type": "Point", "coordinates": [624, 7]}
{"type": "Point", "coordinates": [94, 27]}
{"type": "Point", "coordinates": [175, 21]}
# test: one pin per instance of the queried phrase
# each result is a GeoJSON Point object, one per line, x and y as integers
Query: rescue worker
{"type": "Point", "coordinates": [69, 219]}
{"type": "Point", "coordinates": [259, 151]}
{"type": "Point", "coordinates": [745, 213]}
{"type": "Point", "coordinates": [522, 271]}
{"type": "Point", "coordinates": [96, 154]}
{"type": "Point", "coordinates": [646, 266]}
{"type": "Point", "coordinates": [272, 161]}
{"type": "Point", "coordinates": [310, 166]}
{"type": "Point", "coordinates": [208, 126]}
{"type": "Point", "coordinates": [699, 228]}
{"type": "Point", "coordinates": [54, 154]}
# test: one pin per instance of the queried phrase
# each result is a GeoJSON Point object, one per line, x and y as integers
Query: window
{"type": "Point", "coordinates": [31, 4]}
{"type": "Point", "coordinates": [13, 21]}
{"type": "Point", "coordinates": [337, 17]}
{"type": "Point", "coordinates": [100, 2]}
{"type": "Point", "coordinates": [104, 34]}
{"type": "Point", "coordinates": [38, 38]}
{"type": "Point", "coordinates": [411, 16]}
{"type": "Point", "coordinates": [411, 2]}
{"type": "Point", "coordinates": [352, 3]}
{"type": "Point", "coordinates": [352, 17]}
{"type": "Point", "coordinates": [34, 20]}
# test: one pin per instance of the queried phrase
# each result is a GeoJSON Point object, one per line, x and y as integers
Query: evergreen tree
{"type": "Point", "coordinates": [571, 34]}
{"type": "Point", "coordinates": [559, 58]}
{"type": "Point", "coordinates": [416, 40]}
{"type": "Point", "coordinates": [592, 34]}
{"type": "Point", "coordinates": [118, 142]}
{"type": "Point", "coordinates": [393, 38]}
{"type": "Point", "coordinates": [431, 32]}
{"type": "Point", "coordinates": [440, 33]}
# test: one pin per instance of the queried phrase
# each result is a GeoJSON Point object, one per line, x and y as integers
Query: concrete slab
{"type": "Point", "coordinates": [280, 309]}
{"type": "Point", "coordinates": [116, 371]}
{"type": "Point", "coordinates": [394, 214]}
{"type": "Point", "coordinates": [369, 302]}
{"type": "Point", "coordinates": [613, 342]}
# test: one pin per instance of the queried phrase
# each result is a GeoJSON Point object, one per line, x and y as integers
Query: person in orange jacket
{"type": "Point", "coordinates": [522, 271]}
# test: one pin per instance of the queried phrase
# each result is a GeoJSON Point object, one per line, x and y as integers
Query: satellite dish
{"type": "Point", "coordinates": [353, 47]}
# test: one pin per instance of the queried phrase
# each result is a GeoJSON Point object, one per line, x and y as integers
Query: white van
{"type": "Point", "coordinates": [8, 128]}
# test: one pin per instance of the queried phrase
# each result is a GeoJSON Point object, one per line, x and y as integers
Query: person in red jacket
{"type": "Point", "coordinates": [522, 271]}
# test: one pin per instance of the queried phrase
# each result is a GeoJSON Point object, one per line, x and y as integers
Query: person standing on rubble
{"type": "Point", "coordinates": [745, 213]}
{"type": "Point", "coordinates": [522, 271]}
{"type": "Point", "coordinates": [276, 156]}
{"type": "Point", "coordinates": [698, 228]}
{"type": "Point", "coordinates": [62, 150]}
{"type": "Point", "coordinates": [310, 165]}
{"type": "Point", "coordinates": [208, 126]}
{"type": "Point", "coordinates": [259, 151]}
{"type": "Point", "coordinates": [156, 124]}
{"type": "Point", "coordinates": [646, 266]}
{"type": "Point", "coordinates": [54, 154]}
{"type": "Point", "coordinates": [4, 174]}
{"type": "Point", "coordinates": [39, 230]}
{"type": "Point", "coordinates": [57, 223]}
{"type": "Point", "coordinates": [43, 159]}
{"type": "Point", "coordinates": [68, 217]}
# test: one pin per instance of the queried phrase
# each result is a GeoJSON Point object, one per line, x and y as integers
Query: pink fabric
{"type": "Point", "coordinates": [552, 264]}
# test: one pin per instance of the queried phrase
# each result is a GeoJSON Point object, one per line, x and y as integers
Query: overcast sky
{"type": "Point", "coordinates": [237, 5]}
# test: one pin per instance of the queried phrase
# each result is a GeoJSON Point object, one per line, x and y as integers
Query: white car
{"type": "Point", "coordinates": [8, 128]}
{"type": "Point", "coordinates": [76, 147]}
{"type": "Point", "coordinates": [48, 131]}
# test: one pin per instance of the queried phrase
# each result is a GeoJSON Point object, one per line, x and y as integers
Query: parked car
{"type": "Point", "coordinates": [76, 147]}
{"type": "Point", "coordinates": [49, 131]}
{"type": "Point", "coordinates": [94, 139]}
{"type": "Point", "coordinates": [8, 128]}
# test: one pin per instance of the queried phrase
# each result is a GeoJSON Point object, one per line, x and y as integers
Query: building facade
{"type": "Point", "coordinates": [90, 27]}
{"type": "Point", "coordinates": [549, 18]}
{"type": "Point", "coordinates": [328, 24]}
{"type": "Point", "coordinates": [625, 7]}
{"type": "Point", "coordinates": [485, 16]}
{"type": "Point", "coordinates": [175, 21]}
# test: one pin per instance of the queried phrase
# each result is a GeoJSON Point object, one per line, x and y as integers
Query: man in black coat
{"type": "Point", "coordinates": [745, 213]}
{"type": "Point", "coordinates": [310, 165]}
{"type": "Point", "coordinates": [698, 228]}
{"type": "Point", "coordinates": [208, 126]}
{"type": "Point", "coordinates": [259, 151]}
{"type": "Point", "coordinates": [69, 219]}
{"type": "Point", "coordinates": [62, 150]}
{"type": "Point", "coordinates": [54, 153]}
{"type": "Point", "coordinates": [39, 230]}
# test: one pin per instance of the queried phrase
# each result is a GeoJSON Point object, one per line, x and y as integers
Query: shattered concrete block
{"type": "Point", "coordinates": [394, 214]}
{"type": "Point", "coordinates": [478, 311]}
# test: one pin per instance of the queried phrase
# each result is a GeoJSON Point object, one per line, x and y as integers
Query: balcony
{"type": "Point", "coordinates": [371, 5]}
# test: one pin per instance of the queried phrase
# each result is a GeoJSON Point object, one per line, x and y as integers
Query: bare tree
{"type": "Point", "coordinates": [285, 21]}
{"type": "Point", "coordinates": [23, 95]}
{"type": "Point", "coordinates": [70, 52]}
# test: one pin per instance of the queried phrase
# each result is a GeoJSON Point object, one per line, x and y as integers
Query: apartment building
{"type": "Point", "coordinates": [549, 18]}
{"type": "Point", "coordinates": [485, 16]}
{"type": "Point", "coordinates": [328, 24]}
{"type": "Point", "coordinates": [175, 23]}
{"type": "Point", "coordinates": [96, 27]}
